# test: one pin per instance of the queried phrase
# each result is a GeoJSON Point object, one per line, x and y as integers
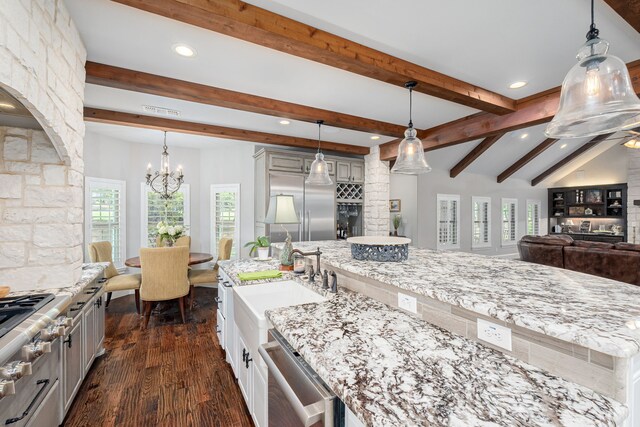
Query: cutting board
{"type": "Point", "coordinates": [4, 291]}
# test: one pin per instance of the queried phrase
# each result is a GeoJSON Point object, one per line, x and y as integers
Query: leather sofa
{"type": "Point", "coordinates": [620, 261]}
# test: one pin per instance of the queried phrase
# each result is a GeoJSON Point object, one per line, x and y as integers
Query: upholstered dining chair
{"type": "Point", "coordinates": [180, 241]}
{"type": "Point", "coordinates": [101, 252]}
{"type": "Point", "coordinates": [210, 275]}
{"type": "Point", "coordinates": [164, 277]}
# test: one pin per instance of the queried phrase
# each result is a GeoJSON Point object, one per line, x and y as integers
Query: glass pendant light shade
{"type": "Point", "coordinates": [319, 173]}
{"type": "Point", "coordinates": [411, 158]}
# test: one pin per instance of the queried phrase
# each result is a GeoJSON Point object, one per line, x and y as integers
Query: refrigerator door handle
{"type": "Point", "coordinates": [309, 224]}
{"type": "Point", "coordinates": [300, 226]}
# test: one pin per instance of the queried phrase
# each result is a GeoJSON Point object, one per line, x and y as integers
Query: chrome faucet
{"type": "Point", "coordinates": [317, 253]}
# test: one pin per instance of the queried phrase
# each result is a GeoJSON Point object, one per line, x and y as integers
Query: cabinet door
{"type": "Point", "coordinates": [244, 372]}
{"type": "Point", "coordinates": [357, 172]}
{"type": "Point", "coordinates": [89, 335]}
{"type": "Point", "coordinates": [331, 166]}
{"type": "Point", "coordinates": [220, 327]}
{"type": "Point", "coordinates": [285, 163]}
{"type": "Point", "coordinates": [99, 323]}
{"type": "Point", "coordinates": [260, 397]}
{"type": "Point", "coordinates": [72, 362]}
{"type": "Point", "coordinates": [343, 171]}
{"type": "Point", "coordinates": [48, 410]}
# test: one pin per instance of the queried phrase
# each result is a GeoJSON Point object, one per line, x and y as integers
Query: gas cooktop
{"type": "Point", "coordinates": [15, 310]}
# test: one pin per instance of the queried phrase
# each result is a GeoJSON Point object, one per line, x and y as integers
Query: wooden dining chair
{"type": "Point", "coordinates": [101, 252]}
{"type": "Point", "coordinates": [164, 277]}
{"type": "Point", "coordinates": [209, 276]}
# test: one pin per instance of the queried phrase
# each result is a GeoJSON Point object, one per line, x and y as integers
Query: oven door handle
{"type": "Point", "coordinates": [44, 384]}
{"type": "Point", "coordinates": [309, 414]}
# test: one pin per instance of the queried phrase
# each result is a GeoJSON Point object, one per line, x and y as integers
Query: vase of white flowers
{"type": "Point", "coordinates": [169, 233]}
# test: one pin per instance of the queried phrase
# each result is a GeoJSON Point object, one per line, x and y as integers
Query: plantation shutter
{"type": "Point", "coordinates": [509, 221]}
{"type": "Point", "coordinates": [533, 217]}
{"type": "Point", "coordinates": [481, 222]}
{"type": "Point", "coordinates": [448, 221]}
{"type": "Point", "coordinates": [104, 215]}
{"type": "Point", "coordinates": [225, 216]}
{"type": "Point", "coordinates": [174, 211]}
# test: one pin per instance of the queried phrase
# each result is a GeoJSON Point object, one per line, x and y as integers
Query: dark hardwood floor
{"type": "Point", "coordinates": [171, 374]}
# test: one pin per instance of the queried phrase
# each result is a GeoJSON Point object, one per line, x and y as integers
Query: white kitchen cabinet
{"type": "Point", "coordinates": [260, 395]}
{"type": "Point", "coordinates": [357, 172]}
{"type": "Point", "coordinates": [331, 166]}
{"type": "Point", "coordinates": [349, 171]}
{"type": "Point", "coordinates": [48, 410]}
{"type": "Point", "coordinates": [89, 342]}
{"type": "Point", "coordinates": [220, 328]}
{"type": "Point", "coordinates": [72, 365]}
{"type": "Point", "coordinates": [99, 319]}
{"type": "Point", "coordinates": [245, 374]}
{"type": "Point", "coordinates": [286, 163]}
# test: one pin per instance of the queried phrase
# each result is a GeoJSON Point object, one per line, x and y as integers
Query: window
{"type": "Point", "coordinates": [480, 222]}
{"type": "Point", "coordinates": [448, 220]}
{"type": "Point", "coordinates": [155, 209]}
{"type": "Point", "coordinates": [533, 217]}
{"type": "Point", "coordinates": [105, 215]}
{"type": "Point", "coordinates": [225, 216]}
{"type": "Point", "coordinates": [509, 221]}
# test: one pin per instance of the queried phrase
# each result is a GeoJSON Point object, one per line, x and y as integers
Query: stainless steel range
{"type": "Point", "coordinates": [30, 368]}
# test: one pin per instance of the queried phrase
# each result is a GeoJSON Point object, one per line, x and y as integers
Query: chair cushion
{"type": "Point", "coordinates": [590, 244]}
{"type": "Point", "coordinates": [624, 246]}
{"type": "Point", "coordinates": [123, 282]}
{"type": "Point", "coordinates": [557, 240]}
{"type": "Point", "coordinates": [199, 277]}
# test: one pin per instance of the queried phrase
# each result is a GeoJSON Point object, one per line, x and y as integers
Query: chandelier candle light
{"type": "Point", "coordinates": [165, 182]}
{"type": "Point", "coordinates": [597, 96]}
{"type": "Point", "coordinates": [319, 173]}
{"type": "Point", "coordinates": [410, 158]}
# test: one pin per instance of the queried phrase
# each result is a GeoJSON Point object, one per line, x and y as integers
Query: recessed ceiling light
{"type": "Point", "coordinates": [184, 50]}
{"type": "Point", "coordinates": [517, 85]}
{"type": "Point", "coordinates": [524, 136]}
{"type": "Point", "coordinates": [7, 106]}
{"type": "Point", "coordinates": [284, 122]}
{"type": "Point", "coordinates": [375, 137]}
{"type": "Point", "coordinates": [563, 146]}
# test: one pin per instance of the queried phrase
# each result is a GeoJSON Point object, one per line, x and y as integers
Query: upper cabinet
{"type": "Point", "coordinates": [349, 171]}
{"type": "Point", "coordinates": [331, 165]}
{"type": "Point", "coordinates": [286, 163]}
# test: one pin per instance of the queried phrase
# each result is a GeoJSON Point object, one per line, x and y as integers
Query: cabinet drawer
{"type": "Point", "coordinates": [285, 163]}
{"type": "Point", "coordinates": [220, 326]}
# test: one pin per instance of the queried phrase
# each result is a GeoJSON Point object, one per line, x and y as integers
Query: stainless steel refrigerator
{"type": "Point", "coordinates": [315, 205]}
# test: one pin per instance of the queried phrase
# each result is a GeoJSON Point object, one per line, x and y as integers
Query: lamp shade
{"type": "Point", "coordinates": [597, 96]}
{"type": "Point", "coordinates": [410, 158]}
{"type": "Point", "coordinates": [319, 173]}
{"type": "Point", "coordinates": [633, 142]}
{"type": "Point", "coordinates": [281, 210]}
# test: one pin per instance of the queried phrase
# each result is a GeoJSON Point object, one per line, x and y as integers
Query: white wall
{"type": "Point", "coordinates": [609, 167]}
{"type": "Point", "coordinates": [405, 188]}
{"type": "Point", "coordinates": [468, 185]}
{"type": "Point", "coordinates": [106, 157]}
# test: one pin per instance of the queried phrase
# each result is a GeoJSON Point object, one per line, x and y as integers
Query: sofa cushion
{"type": "Point", "coordinates": [590, 244]}
{"type": "Point", "coordinates": [541, 254]}
{"type": "Point", "coordinates": [624, 246]}
{"type": "Point", "coordinates": [617, 265]}
{"type": "Point", "coordinates": [557, 240]}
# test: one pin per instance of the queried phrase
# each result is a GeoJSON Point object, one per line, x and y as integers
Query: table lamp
{"type": "Point", "coordinates": [283, 211]}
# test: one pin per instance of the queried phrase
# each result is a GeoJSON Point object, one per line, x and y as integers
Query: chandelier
{"type": "Point", "coordinates": [165, 182]}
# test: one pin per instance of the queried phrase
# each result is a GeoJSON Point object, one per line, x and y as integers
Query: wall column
{"type": "Point", "coordinates": [376, 194]}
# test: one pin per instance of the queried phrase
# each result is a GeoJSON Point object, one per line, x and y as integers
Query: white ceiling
{"type": "Point", "coordinates": [490, 44]}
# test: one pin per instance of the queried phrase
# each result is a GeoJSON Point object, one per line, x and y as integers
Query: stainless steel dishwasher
{"type": "Point", "coordinates": [296, 394]}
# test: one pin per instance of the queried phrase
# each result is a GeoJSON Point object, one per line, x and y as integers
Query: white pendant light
{"type": "Point", "coordinates": [410, 159]}
{"type": "Point", "coordinates": [319, 172]}
{"type": "Point", "coordinates": [597, 96]}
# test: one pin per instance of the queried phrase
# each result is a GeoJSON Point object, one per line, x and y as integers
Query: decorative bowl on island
{"type": "Point", "coordinates": [379, 248]}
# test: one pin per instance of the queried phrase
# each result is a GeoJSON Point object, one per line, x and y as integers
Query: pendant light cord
{"type": "Point", "coordinates": [593, 31]}
{"type": "Point", "coordinates": [319, 122]}
{"type": "Point", "coordinates": [411, 106]}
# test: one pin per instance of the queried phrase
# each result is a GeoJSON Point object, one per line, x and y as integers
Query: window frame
{"type": "Point", "coordinates": [514, 202]}
{"type": "Point", "coordinates": [538, 203]}
{"type": "Point", "coordinates": [121, 186]}
{"type": "Point", "coordinates": [475, 200]}
{"type": "Point", "coordinates": [448, 198]}
{"type": "Point", "coordinates": [144, 207]}
{"type": "Point", "coordinates": [220, 188]}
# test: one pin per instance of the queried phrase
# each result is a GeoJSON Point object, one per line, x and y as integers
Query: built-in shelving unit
{"type": "Point", "coordinates": [597, 212]}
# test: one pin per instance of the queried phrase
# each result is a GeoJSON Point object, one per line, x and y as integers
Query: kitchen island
{"type": "Point", "coordinates": [391, 368]}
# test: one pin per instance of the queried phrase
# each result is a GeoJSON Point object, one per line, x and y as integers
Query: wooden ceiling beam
{"type": "Point", "coordinates": [533, 110]}
{"type": "Point", "coordinates": [256, 25]}
{"type": "Point", "coordinates": [170, 125]}
{"type": "Point", "coordinates": [526, 159]}
{"type": "Point", "coordinates": [138, 81]}
{"type": "Point", "coordinates": [629, 10]}
{"type": "Point", "coordinates": [579, 151]}
{"type": "Point", "coordinates": [474, 154]}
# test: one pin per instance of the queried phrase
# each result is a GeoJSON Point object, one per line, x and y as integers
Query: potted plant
{"type": "Point", "coordinates": [397, 220]}
{"type": "Point", "coordinates": [261, 245]}
{"type": "Point", "coordinates": [169, 233]}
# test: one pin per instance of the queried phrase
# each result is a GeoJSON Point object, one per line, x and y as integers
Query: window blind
{"type": "Point", "coordinates": [448, 221]}
{"type": "Point", "coordinates": [225, 216]}
{"type": "Point", "coordinates": [104, 215]}
{"type": "Point", "coordinates": [533, 217]}
{"type": "Point", "coordinates": [481, 222]}
{"type": "Point", "coordinates": [175, 211]}
{"type": "Point", "coordinates": [509, 221]}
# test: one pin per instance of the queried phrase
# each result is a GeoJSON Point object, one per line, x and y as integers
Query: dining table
{"type": "Point", "coordinates": [194, 258]}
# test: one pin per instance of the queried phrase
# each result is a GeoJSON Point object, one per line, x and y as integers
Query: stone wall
{"type": "Point", "coordinates": [376, 194]}
{"type": "Point", "coordinates": [633, 182]}
{"type": "Point", "coordinates": [42, 65]}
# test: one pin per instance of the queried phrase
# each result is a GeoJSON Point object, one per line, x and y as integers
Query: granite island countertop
{"type": "Point", "coordinates": [392, 369]}
{"type": "Point", "coordinates": [591, 311]}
